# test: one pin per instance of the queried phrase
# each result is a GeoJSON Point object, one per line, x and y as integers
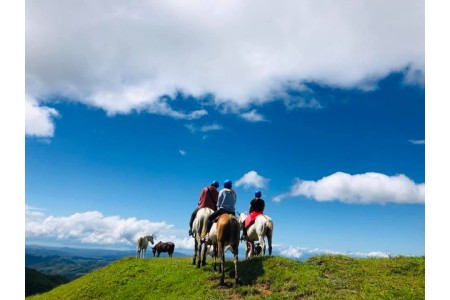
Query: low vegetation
{"type": "Point", "coordinates": [321, 277]}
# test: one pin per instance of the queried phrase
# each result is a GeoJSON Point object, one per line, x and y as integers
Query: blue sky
{"type": "Point", "coordinates": [129, 114]}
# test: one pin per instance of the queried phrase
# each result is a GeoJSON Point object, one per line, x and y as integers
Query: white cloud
{"type": "Point", "coordinates": [204, 128]}
{"type": "Point", "coordinates": [253, 116]}
{"type": "Point", "coordinates": [417, 142]}
{"type": "Point", "coordinates": [360, 189]}
{"type": "Point", "coordinates": [252, 179]}
{"type": "Point", "coordinates": [292, 252]}
{"type": "Point", "coordinates": [123, 56]}
{"type": "Point", "coordinates": [39, 119]}
{"type": "Point", "coordinates": [90, 227]}
{"type": "Point", "coordinates": [182, 152]}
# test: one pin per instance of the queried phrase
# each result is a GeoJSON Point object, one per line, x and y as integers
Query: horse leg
{"type": "Point", "coordinates": [263, 244]}
{"type": "Point", "coordinates": [195, 251]}
{"type": "Point", "coordinates": [199, 252]}
{"type": "Point", "coordinates": [269, 241]}
{"type": "Point", "coordinates": [222, 262]}
{"type": "Point", "coordinates": [215, 256]}
{"type": "Point", "coordinates": [236, 265]}
{"type": "Point", "coordinates": [204, 255]}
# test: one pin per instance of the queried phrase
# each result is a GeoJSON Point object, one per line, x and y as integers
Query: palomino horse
{"type": "Point", "coordinates": [142, 244]}
{"type": "Point", "coordinates": [262, 227]}
{"type": "Point", "coordinates": [228, 229]}
{"type": "Point", "coordinates": [168, 247]}
{"type": "Point", "coordinates": [199, 230]}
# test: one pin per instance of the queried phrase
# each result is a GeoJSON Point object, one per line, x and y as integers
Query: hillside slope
{"type": "Point", "coordinates": [37, 282]}
{"type": "Point", "coordinates": [322, 277]}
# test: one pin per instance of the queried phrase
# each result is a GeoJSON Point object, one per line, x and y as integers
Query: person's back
{"type": "Point", "coordinates": [256, 208]}
{"type": "Point", "coordinates": [227, 200]}
{"type": "Point", "coordinates": [257, 204]}
{"type": "Point", "coordinates": [208, 198]}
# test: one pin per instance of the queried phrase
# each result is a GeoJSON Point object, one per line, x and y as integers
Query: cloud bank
{"type": "Point", "coordinates": [123, 56]}
{"type": "Point", "coordinates": [90, 227]}
{"type": "Point", "coordinates": [364, 188]}
{"type": "Point", "coordinates": [299, 252]}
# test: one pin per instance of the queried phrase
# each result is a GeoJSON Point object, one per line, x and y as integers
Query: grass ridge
{"type": "Point", "coordinates": [269, 277]}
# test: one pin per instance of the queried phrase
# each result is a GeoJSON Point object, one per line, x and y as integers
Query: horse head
{"type": "Point", "coordinates": [242, 217]}
{"type": "Point", "coordinates": [150, 238]}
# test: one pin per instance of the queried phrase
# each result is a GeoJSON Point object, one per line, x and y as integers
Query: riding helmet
{"type": "Point", "coordinates": [227, 184]}
{"type": "Point", "coordinates": [258, 194]}
{"type": "Point", "coordinates": [215, 183]}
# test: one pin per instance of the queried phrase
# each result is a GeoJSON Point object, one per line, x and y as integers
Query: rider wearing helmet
{"type": "Point", "coordinates": [226, 203]}
{"type": "Point", "coordinates": [256, 208]}
{"type": "Point", "coordinates": [208, 198]}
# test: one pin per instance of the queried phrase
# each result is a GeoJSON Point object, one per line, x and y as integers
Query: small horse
{"type": "Point", "coordinates": [228, 229]}
{"type": "Point", "coordinates": [199, 231]}
{"type": "Point", "coordinates": [262, 227]}
{"type": "Point", "coordinates": [142, 244]}
{"type": "Point", "coordinates": [168, 247]}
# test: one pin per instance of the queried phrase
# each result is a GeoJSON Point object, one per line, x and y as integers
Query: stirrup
{"type": "Point", "coordinates": [190, 232]}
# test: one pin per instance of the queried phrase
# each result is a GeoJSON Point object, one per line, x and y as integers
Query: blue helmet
{"type": "Point", "coordinates": [215, 183]}
{"type": "Point", "coordinates": [258, 194]}
{"type": "Point", "coordinates": [227, 184]}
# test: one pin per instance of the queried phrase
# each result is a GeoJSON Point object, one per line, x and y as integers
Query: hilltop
{"type": "Point", "coordinates": [321, 277]}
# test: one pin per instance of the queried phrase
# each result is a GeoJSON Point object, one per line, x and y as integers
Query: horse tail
{"type": "Point", "coordinates": [269, 234]}
{"type": "Point", "coordinates": [203, 225]}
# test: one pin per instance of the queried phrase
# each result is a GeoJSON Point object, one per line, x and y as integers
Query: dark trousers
{"type": "Point", "coordinates": [194, 213]}
{"type": "Point", "coordinates": [214, 215]}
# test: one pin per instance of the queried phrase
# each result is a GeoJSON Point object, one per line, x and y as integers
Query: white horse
{"type": "Point", "coordinates": [142, 244]}
{"type": "Point", "coordinates": [262, 227]}
{"type": "Point", "coordinates": [199, 231]}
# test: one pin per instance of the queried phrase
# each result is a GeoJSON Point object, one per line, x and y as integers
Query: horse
{"type": "Point", "coordinates": [168, 247]}
{"type": "Point", "coordinates": [142, 244]}
{"type": "Point", "coordinates": [262, 227]}
{"type": "Point", "coordinates": [199, 231]}
{"type": "Point", "coordinates": [228, 230]}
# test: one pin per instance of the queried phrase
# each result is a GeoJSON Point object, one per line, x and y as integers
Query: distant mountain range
{"type": "Point", "coordinates": [72, 263]}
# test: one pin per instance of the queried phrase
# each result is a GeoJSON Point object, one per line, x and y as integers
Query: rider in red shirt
{"type": "Point", "coordinates": [208, 198]}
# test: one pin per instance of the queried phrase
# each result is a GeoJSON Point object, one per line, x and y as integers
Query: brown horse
{"type": "Point", "coordinates": [228, 229]}
{"type": "Point", "coordinates": [168, 247]}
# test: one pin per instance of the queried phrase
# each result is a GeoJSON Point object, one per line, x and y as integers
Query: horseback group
{"type": "Point", "coordinates": [214, 222]}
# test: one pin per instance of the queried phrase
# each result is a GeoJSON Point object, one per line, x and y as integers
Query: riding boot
{"type": "Point", "coordinates": [244, 234]}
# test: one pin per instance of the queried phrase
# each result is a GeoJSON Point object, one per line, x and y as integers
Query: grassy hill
{"type": "Point", "coordinates": [321, 277]}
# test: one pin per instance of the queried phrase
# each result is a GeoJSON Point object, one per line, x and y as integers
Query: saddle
{"type": "Point", "coordinates": [217, 218]}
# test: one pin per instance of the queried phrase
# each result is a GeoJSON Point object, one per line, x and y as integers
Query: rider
{"type": "Point", "coordinates": [225, 204]}
{"type": "Point", "coordinates": [208, 198]}
{"type": "Point", "coordinates": [256, 208]}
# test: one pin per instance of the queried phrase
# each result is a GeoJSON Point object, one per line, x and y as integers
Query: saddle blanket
{"type": "Point", "coordinates": [251, 218]}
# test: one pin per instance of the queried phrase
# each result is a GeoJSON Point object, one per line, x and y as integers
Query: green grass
{"type": "Point", "coordinates": [322, 277]}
